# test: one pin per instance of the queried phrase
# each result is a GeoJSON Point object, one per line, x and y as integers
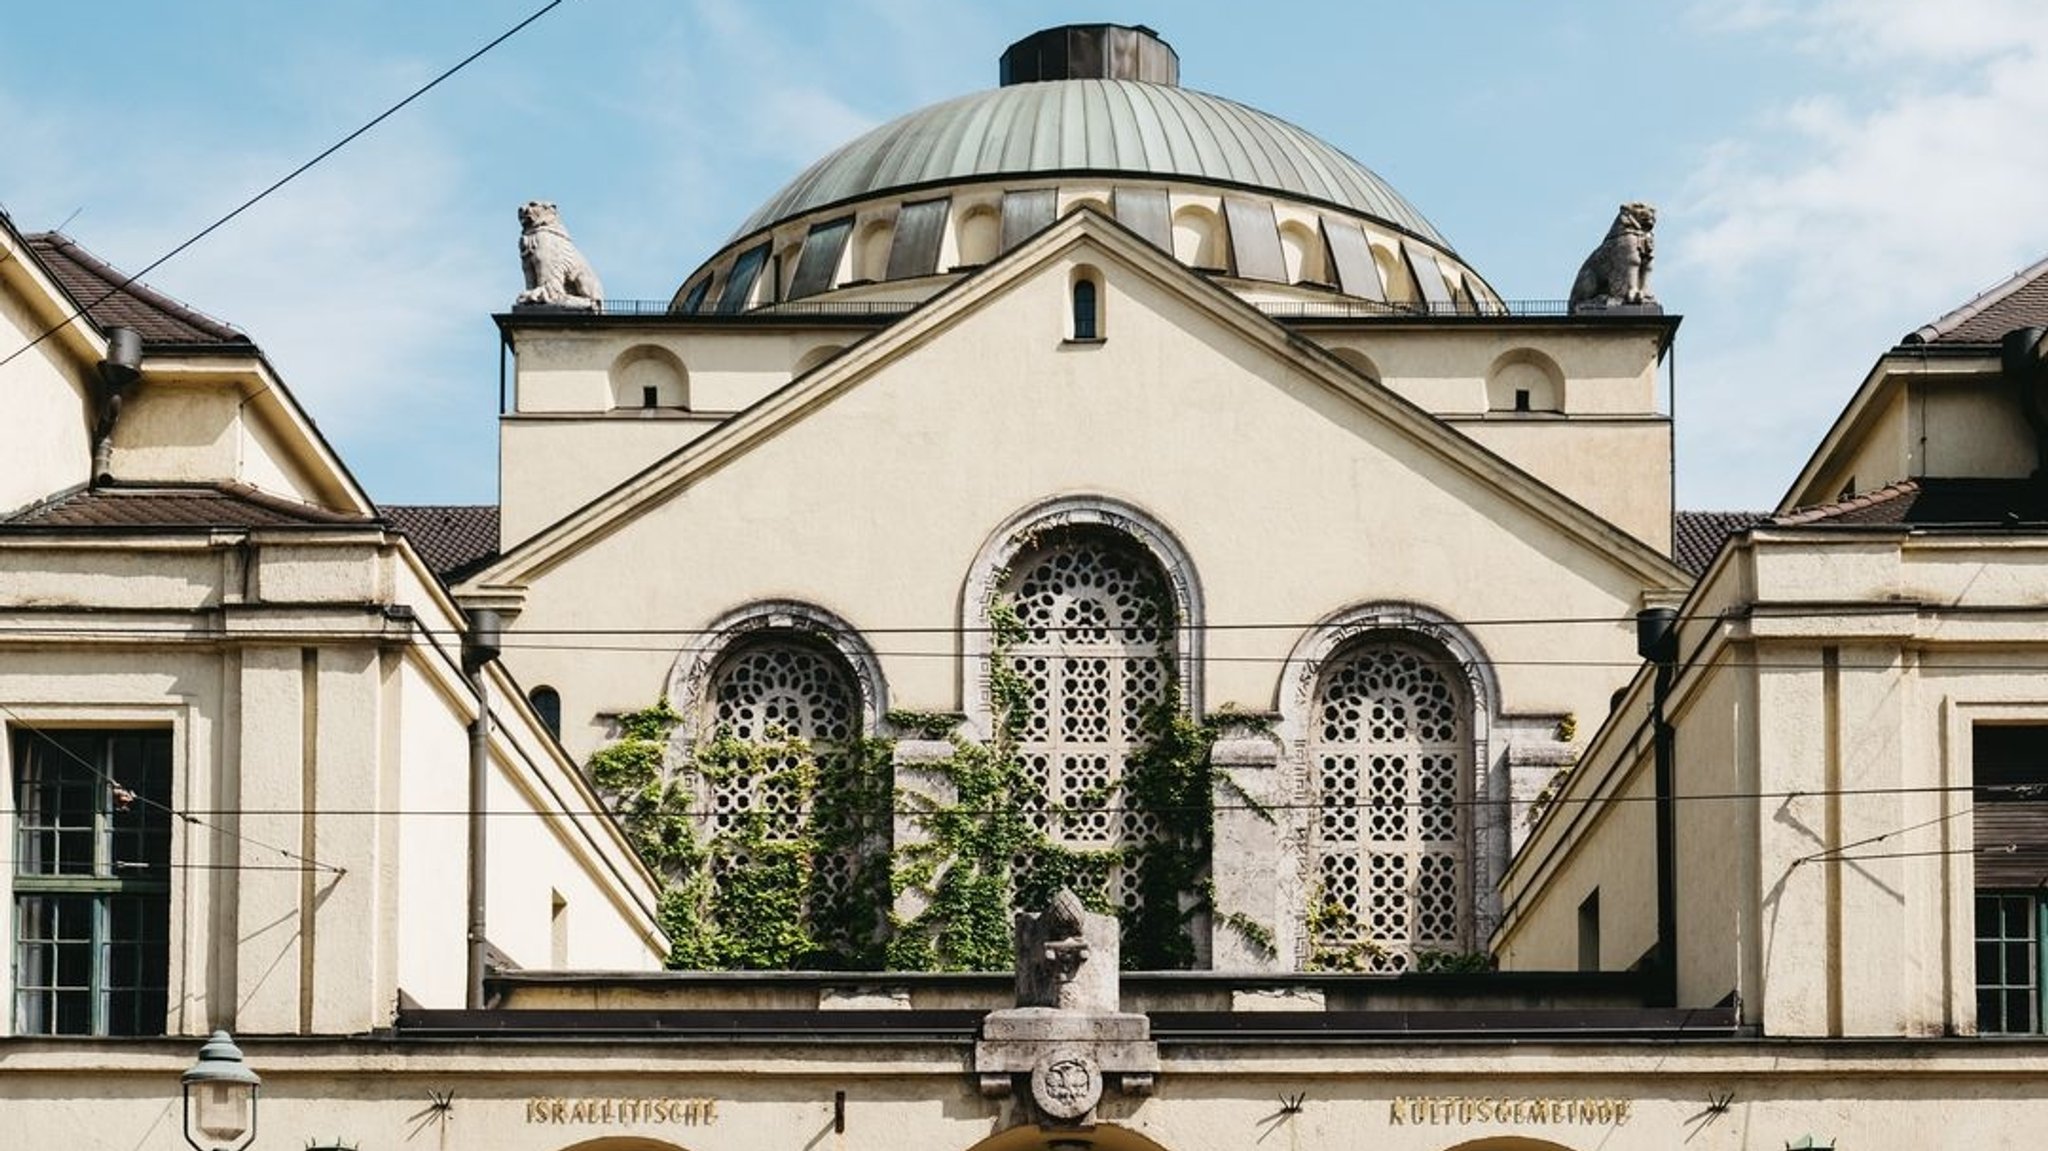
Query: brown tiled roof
{"type": "Point", "coordinates": [160, 319]}
{"type": "Point", "coordinates": [454, 539]}
{"type": "Point", "coordinates": [2021, 301]}
{"type": "Point", "coordinates": [1932, 502]}
{"type": "Point", "coordinates": [1696, 537]}
{"type": "Point", "coordinates": [175, 506]}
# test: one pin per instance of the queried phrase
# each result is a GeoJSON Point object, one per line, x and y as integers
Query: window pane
{"type": "Point", "coordinates": [93, 957]}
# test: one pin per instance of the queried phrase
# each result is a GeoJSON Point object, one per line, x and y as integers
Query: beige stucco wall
{"type": "Point", "coordinates": [1402, 1097]}
{"type": "Point", "coordinates": [1619, 469]}
{"type": "Point", "coordinates": [1832, 891]}
{"type": "Point", "coordinates": [875, 504]}
{"type": "Point", "coordinates": [305, 724]}
{"type": "Point", "coordinates": [553, 465]}
{"type": "Point", "coordinates": [49, 411]}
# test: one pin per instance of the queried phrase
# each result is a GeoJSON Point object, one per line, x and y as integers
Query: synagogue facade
{"type": "Point", "coordinates": [1087, 623]}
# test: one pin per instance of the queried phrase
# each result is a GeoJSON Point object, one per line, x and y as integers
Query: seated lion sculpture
{"type": "Point", "coordinates": [557, 275]}
{"type": "Point", "coordinates": [1618, 271]}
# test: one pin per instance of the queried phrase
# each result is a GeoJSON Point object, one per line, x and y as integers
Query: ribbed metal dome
{"type": "Point", "coordinates": [1092, 125]}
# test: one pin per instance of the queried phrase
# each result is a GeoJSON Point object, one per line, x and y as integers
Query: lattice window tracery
{"type": "Point", "coordinates": [795, 705]}
{"type": "Point", "coordinates": [1096, 654]}
{"type": "Point", "coordinates": [777, 694]}
{"type": "Point", "coordinates": [1390, 749]}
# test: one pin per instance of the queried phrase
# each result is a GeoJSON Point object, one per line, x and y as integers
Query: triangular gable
{"type": "Point", "coordinates": [231, 363]}
{"type": "Point", "coordinates": [1115, 245]}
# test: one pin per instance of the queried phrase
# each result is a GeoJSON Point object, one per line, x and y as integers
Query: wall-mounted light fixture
{"type": "Point", "coordinates": [220, 1097]}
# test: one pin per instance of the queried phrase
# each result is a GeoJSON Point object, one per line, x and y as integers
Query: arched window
{"type": "Point", "coordinates": [1087, 309]}
{"type": "Point", "coordinates": [1390, 749]}
{"type": "Point", "coordinates": [1095, 655]}
{"type": "Point", "coordinates": [789, 695]}
{"type": "Point", "coordinates": [780, 813]}
{"type": "Point", "coordinates": [547, 703]}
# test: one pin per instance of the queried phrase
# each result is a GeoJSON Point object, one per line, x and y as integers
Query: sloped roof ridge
{"type": "Point", "coordinates": [1814, 513]}
{"type": "Point", "coordinates": [225, 504]}
{"type": "Point", "coordinates": [117, 284]}
{"type": "Point", "coordinates": [1978, 304]}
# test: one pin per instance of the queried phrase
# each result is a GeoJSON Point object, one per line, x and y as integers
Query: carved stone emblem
{"type": "Point", "coordinates": [1066, 1083]}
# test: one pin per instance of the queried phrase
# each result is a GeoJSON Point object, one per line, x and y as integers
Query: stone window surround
{"type": "Point", "coordinates": [991, 565]}
{"type": "Point", "coordinates": [690, 677]}
{"type": "Point", "coordinates": [1420, 625]}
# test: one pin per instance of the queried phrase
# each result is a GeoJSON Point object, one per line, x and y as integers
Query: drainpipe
{"type": "Point", "coordinates": [480, 645]}
{"type": "Point", "coordinates": [1657, 642]}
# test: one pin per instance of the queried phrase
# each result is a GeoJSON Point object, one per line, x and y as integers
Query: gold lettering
{"type": "Point", "coordinates": [1394, 1112]}
{"type": "Point", "coordinates": [560, 1108]}
{"type": "Point", "coordinates": [1620, 1111]}
{"type": "Point", "coordinates": [1418, 1111]}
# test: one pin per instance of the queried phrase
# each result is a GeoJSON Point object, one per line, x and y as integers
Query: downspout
{"type": "Point", "coordinates": [480, 645]}
{"type": "Point", "coordinates": [1657, 641]}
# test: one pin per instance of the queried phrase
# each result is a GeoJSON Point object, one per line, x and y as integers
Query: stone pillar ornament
{"type": "Point", "coordinates": [557, 275]}
{"type": "Point", "coordinates": [1067, 1036]}
{"type": "Point", "coordinates": [1617, 274]}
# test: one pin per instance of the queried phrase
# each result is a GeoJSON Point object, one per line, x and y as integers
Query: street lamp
{"type": "Point", "coordinates": [220, 1097]}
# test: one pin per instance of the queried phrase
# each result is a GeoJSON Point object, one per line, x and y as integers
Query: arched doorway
{"type": "Point", "coordinates": [1101, 1137]}
{"type": "Point", "coordinates": [623, 1143]}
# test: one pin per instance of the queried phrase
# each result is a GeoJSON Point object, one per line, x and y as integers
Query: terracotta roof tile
{"type": "Point", "coordinates": [175, 506]}
{"type": "Point", "coordinates": [1696, 537]}
{"type": "Point", "coordinates": [1932, 502]}
{"type": "Point", "coordinates": [454, 539]}
{"type": "Point", "coordinates": [2021, 301]}
{"type": "Point", "coordinates": [160, 319]}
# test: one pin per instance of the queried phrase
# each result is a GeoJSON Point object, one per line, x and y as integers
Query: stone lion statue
{"type": "Point", "coordinates": [1618, 271]}
{"type": "Point", "coordinates": [557, 275]}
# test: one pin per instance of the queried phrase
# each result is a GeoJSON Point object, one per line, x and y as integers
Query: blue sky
{"type": "Point", "coordinates": [1831, 173]}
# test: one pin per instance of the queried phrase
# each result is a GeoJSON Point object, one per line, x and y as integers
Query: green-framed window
{"type": "Point", "coordinates": [91, 881]}
{"type": "Point", "coordinates": [2009, 956]}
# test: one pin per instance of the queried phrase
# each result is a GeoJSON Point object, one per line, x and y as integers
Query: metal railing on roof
{"type": "Point", "coordinates": [1359, 309]}
{"type": "Point", "coordinates": [765, 311]}
{"type": "Point", "coordinates": [1344, 309]}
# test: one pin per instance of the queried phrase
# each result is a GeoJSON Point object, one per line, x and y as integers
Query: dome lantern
{"type": "Point", "coordinates": [1091, 52]}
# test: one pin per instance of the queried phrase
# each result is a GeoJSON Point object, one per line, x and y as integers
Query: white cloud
{"type": "Point", "coordinates": [1848, 218]}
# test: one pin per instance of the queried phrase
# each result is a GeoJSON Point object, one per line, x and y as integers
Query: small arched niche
{"type": "Point", "coordinates": [1394, 274]}
{"type": "Point", "coordinates": [1301, 248]}
{"type": "Point", "coordinates": [814, 358]}
{"type": "Point", "coordinates": [647, 376]}
{"type": "Point", "coordinates": [981, 235]}
{"type": "Point", "coordinates": [1198, 238]}
{"type": "Point", "coordinates": [871, 250]}
{"type": "Point", "coordinates": [1524, 380]}
{"type": "Point", "coordinates": [1359, 362]}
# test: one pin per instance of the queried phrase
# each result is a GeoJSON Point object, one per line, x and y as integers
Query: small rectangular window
{"type": "Point", "coordinates": [1357, 273]}
{"type": "Point", "coordinates": [1521, 399]}
{"type": "Point", "coordinates": [91, 882]}
{"type": "Point", "coordinates": [739, 286]}
{"type": "Point", "coordinates": [920, 228]}
{"type": "Point", "coordinates": [1025, 214]}
{"type": "Point", "coordinates": [818, 262]}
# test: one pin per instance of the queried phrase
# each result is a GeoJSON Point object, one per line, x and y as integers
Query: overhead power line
{"type": "Point", "coordinates": [302, 862]}
{"type": "Point", "coordinates": [287, 178]}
